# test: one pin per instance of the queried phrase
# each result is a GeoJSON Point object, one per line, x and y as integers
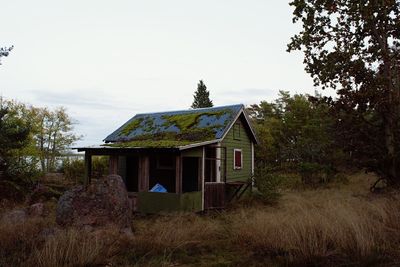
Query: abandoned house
{"type": "Point", "coordinates": [200, 158]}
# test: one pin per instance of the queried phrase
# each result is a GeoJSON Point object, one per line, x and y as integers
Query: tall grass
{"type": "Point", "coordinates": [329, 227]}
{"type": "Point", "coordinates": [166, 235]}
{"type": "Point", "coordinates": [18, 240]}
{"type": "Point", "coordinates": [78, 248]}
{"type": "Point", "coordinates": [322, 230]}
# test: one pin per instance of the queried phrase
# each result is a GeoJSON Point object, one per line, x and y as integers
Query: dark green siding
{"type": "Point", "coordinates": [151, 202]}
{"type": "Point", "coordinates": [245, 145]}
{"type": "Point", "coordinates": [193, 152]}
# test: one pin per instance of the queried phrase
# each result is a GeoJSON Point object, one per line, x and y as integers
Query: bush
{"type": "Point", "coordinates": [23, 170]}
{"type": "Point", "coordinates": [75, 169]}
{"type": "Point", "coordinates": [314, 173]}
{"type": "Point", "coordinates": [267, 183]}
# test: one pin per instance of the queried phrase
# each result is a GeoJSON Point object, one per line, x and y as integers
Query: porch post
{"type": "Point", "coordinates": [144, 173]}
{"type": "Point", "coordinates": [252, 166]}
{"type": "Point", "coordinates": [113, 164]}
{"type": "Point", "coordinates": [218, 163]}
{"type": "Point", "coordinates": [88, 168]}
{"type": "Point", "coordinates": [178, 175]}
{"type": "Point", "coordinates": [203, 161]}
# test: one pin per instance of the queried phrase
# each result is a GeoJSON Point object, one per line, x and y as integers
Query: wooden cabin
{"type": "Point", "coordinates": [204, 158]}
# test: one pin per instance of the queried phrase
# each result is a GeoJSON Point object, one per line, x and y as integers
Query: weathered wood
{"type": "Point", "coordinates": [113, 164]}
{"type": "Point", "coordinates": [178, 175]}
{"type": "Point", "coordinates": [144, 173]}
{"type": "Point", "coordinates": [88, 169]}
{"type": "Point", "coordinates": [214, 195]}
{"type": "Point", "coordinates": [200, 177]}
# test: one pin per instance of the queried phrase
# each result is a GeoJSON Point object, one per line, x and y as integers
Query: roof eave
{"type": "Point", "coordinates": [200, 144]}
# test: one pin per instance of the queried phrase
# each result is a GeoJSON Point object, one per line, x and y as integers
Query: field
{"type": "Point", "coordinates": [338, 225]}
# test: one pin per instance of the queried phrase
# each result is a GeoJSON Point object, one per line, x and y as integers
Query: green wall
{"type": "Point", "coordinates": [152, 202]}
{"type": "Point", "coordinates": [245, 144]}
{"type": "Point", "coordinates": [193, 152]}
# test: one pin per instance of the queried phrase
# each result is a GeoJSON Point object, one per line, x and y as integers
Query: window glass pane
{"type": "Point", "coordinates": [238, 159]}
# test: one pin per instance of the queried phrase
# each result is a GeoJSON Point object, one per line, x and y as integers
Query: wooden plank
{"type": "Point", "coordinates": [199, 175]}
{"type": "Point", "coordinates": [113, 165]}
{"type": "Point", "coordinates": [88, 169]}
{"type": "Point", "coordinates": [214, 195]}
{"type": "Point", "coordinates": [178, 175]}
{"type": "Point", "coordinates": [203, 161]}
{"type": "Point", "coordinates": [144, 173]}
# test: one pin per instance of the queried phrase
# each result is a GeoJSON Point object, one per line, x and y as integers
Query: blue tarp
{"type": "Point", "coordinates": [158, 188]}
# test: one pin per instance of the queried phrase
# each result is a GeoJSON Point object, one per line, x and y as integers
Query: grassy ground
{"type": "Point", "coordinates": [342, 225]}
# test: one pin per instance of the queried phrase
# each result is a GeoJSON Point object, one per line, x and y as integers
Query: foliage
{"type": "Point", "coordinates": [74, 169]}
{"type": "Point", "coordinates": [267, 183]}
{"type": "Point", "coordinates": [292, 129]}
{"type": "Point", "coordinates": [296, 135]}
{"type": "Point", "coordinates": [353, 46]}
{"type": "Point", "coordinates": [5, 51]}
{"type": "Point", "coordinates": [314, 173]}
{"type": "Point", "coordinates": [15, 134]}
{"type": "Point", "coordinates": [50, 133]}
{"type": "Point", "coordinates": [53, 135]}
{"type": "Point", "coordinates": [201, 97]}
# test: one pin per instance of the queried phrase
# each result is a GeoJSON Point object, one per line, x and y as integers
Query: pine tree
{"type": "Point", "coordinates": [201, 97]}
{"type": "Point", "coordinates": [5, 51]}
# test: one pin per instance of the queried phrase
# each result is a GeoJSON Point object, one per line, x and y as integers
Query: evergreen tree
{"type": "Point", "coordinates": [201, 97]}
{"type": "Point", "coordinates": [5, 51]}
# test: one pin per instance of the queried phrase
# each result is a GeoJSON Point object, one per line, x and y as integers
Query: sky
{"type": "Point", "coordinates": [105, 61]}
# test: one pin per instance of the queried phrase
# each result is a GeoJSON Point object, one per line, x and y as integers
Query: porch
{"type": "Point", "coordinates": [194, 179]}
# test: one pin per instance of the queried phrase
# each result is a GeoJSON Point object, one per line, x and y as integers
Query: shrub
{"type": "Point", "coordinates": [314, 173]}
{"type": "Point", "coordinates": [267, 183]}
{"type": "Point", "coordinates": [23, 170]}
{"type": "Point", "coordinates": [75, 169]}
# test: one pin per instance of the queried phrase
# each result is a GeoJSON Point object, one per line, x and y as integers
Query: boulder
{"type": "Point", "coordinates": [42, 193]}
{"type": "Point", "coordinates": [103, 202]}
{"type": "Point", "coordinates": [36, 210]}
{"type": "Point", "coordinates": [15, 216]}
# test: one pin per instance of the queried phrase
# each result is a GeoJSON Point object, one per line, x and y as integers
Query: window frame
{"type": "Point", "coordinates": [234, 159]}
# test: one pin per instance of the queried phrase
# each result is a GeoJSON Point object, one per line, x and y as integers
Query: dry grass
{"type": "Point", "coordinates": [330, 227]}
{"type": "Point", "coordinates": [78, 248]}
{"type": "Point", "coordinates": [17, 241]}
{"type": "Point", "coordinates": [340, 226]}
{"type": "Point", "coordinates": [164, 236]}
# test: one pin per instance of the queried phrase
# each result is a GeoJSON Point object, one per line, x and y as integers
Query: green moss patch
{"type": "Point", "coordinates": [150, 144]}
{"type": "Point", "coordinates": [133, 125]}
{"type": "Point", "coordinates": [187, 121]}
{"type": "Point", "coordinates": [156, 136]}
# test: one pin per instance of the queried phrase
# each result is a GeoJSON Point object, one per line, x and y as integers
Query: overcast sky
{"type": "Point", "coordinates": [105, 61]}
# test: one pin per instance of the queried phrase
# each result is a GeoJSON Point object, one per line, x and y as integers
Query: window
{"type": "Point", "coordinates": [237, 159]}
{"type": "Point", "coordinates": [236, 131]}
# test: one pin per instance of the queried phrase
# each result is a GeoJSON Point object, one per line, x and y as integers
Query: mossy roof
{"type": "Point", "coordinates": [174, 128]}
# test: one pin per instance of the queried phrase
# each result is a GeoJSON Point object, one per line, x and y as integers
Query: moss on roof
{"type": "Point", "coordinates": [133, 125]}
{"type": "Point", "coordinates": [187, 121]}
{"type": "Point", "coordinates": [149, 144]}
{"type": "Point", "coordinates": [177, 127]}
